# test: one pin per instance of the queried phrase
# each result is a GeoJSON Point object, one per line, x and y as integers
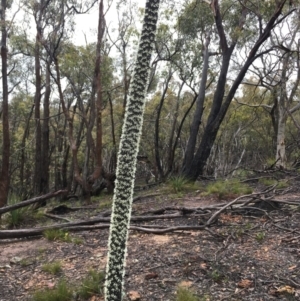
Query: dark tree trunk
{"type": "Point", "coordinates": [4, 176]}
{"type": "Point", "coordinates": [37, 103]}
{"type": "Point", "coordinates": [24, 190]}
{"type": "Point", "coordinates": [190, 149]}
{"type": "Point", "coordinates": [98, 101]}
{"type": "Point", "coordinates": [45, 137]}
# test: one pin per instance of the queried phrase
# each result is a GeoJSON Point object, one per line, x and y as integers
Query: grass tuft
{"type": "Point", "coordinates": [92, 284]}
{"type": "Point", "coordinates": [180, 184]}
{"type": "Point", "coordinates": [225, 189]}
{"type": "Point", "coordinates": [16, 217]}
{"type": "Point", "coordinates": [53, 268]}
{"type": "Point", "coordinates": [184, 294]}
{"type": "Point", "coordinates": [62, 292]}
{"type": "Point", "coordinates": [260, 236]}
{"type": "Point", "coordinates": [57, 234]}
{"type": "Point", "coordinates": [105, 204]}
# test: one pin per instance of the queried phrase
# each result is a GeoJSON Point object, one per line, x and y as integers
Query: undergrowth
{"type": "Point", "coordinates": [180, 184]}
{"type": "Point", "coordinates": [15, 217]}
{"type": "Point", "coordinates": [61, 235]}
{"type": "Point", "coordinates": [53, 268]}
{"type": "Point", "coordinates": [184, 294]}
{"type": "Point", "coordinates": [62, 292]}
{"type": "Point", "coordinates": [92, 284]}
{"type": "Point", "coordinates": [228, 188]}
{"type": "Point", "coordinates": [57, 234]}
{"type": "Point", "coordinates": [269, 182]}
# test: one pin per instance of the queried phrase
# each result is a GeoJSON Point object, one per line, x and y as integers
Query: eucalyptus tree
{"type": "Point", "coordinates": [280, 75]}
{"type": "Point", "coordinates": [233, 19]}
{"type": "Point", "coordinates": [127, 156]}
{"type": "Point", "coordinates": [56, 27]}
{"type": "Point", "coordinates": [175, 69]}
{"type": "Point", "coordinates": [196, 23]}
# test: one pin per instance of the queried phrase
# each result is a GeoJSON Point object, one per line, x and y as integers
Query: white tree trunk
{"type": "Point", "coordinates": [280, 148]}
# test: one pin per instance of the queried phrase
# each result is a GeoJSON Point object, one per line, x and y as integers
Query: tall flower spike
{"type": "Point", "coordinates": [127, 155]}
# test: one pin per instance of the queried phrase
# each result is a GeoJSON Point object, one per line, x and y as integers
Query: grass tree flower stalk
{"type": "Point", "coordinates": [128, 150]}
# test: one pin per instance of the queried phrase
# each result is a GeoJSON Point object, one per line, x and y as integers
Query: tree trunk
{"type": "Point", "coordinates": [4, 176]}
{"type": "Point", "coordinates": [24, 190]}
{"type": "Point", "coordinates": [280, 148]}
{"type": "Point", "coordinates": [170, 153]}
{"type": "Point", "coordinates": [156, 133]}
{"type": "Point", "coordinates": [37, 102]}
{"type": "Point", "coordinates": [45, 132]}
{"type": "Point", "coordinates": [197, 164]}
{"type": "Point", "coordinates": [190, 148]}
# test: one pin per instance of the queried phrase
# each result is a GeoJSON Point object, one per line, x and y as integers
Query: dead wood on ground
{"type": "Point", "coordinates": [37, 199]}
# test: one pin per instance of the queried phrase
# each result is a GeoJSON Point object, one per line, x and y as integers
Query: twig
{"type": "Point", "coordinates": [57, 217]}
{"type": "Point", "coordinates": [216, 214]}
{"type": "Point", "coordinates": [286, 229]}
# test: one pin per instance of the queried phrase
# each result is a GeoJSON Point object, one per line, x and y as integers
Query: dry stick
{"type": "Point", "coordinates": [21, 233]}
{"type": "Point", "coordinates": [140, 197]}
{"type": "Point", "coordinates": [165, 230]}
{"type": "Point", "coordinates": [215, 215]}
{"type": "Point", "coordinates": [286, 229]}
{"type": "Point", "coordinates": [38, 231]}
{"type": "Point", "coordinates": [53, 216]}
{"type": "Point", "coordinates": [259, 193]}
{"type": "Point", "coordinates": [32, 201]}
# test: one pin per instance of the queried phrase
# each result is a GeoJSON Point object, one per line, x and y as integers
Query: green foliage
{"type": "Point", "coordinates": [92, 284]}
{"type": "Point", "coordinates": [195, 18]}
{"type": "Point", "coordinates": [228, 188]}
{"type": "Point", "coordinates": [57, 234]}
{"type": "Point", "coordinates": [61, 235]}
{"type": "Point", "coordinates": [53, 268]}
{"type": "Point", "coordinates": [62, 292]}
{"type": "Point", "coordinates": [267, 181]}
{"type": "Point", "coordinates": [270, 182]}
{"type": "Point", "coordinates": [184, 294]}
{"type": "Point", "coordinates": [282, 185]}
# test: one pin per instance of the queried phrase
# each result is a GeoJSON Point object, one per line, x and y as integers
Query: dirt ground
{"type": "Point", "coordinates": [243, 256]}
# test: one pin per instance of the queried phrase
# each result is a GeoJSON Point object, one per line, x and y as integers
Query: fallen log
{"type": "Point", "coordinates": [32, 201]}
{"type": "Point", "coordinates": [20, 233]}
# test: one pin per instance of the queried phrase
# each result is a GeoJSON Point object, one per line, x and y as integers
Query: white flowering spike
{"type": "Point", "coordinates": [128, 151]}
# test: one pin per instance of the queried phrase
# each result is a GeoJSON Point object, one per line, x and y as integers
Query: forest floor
{"type": "Point", "coordinates": [242, 256]}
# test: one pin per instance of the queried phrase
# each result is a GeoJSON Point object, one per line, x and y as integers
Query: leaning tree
{"type": "Point", "coordinates": [127, 156]}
